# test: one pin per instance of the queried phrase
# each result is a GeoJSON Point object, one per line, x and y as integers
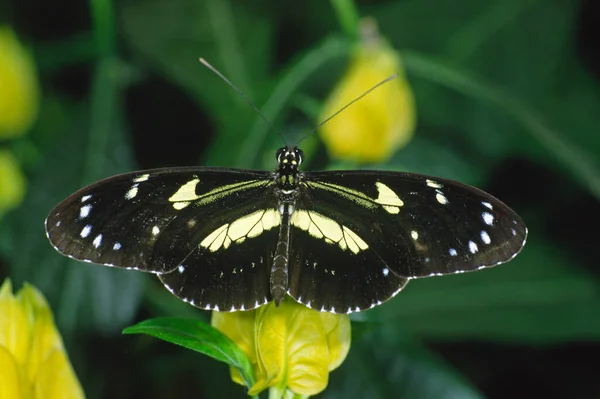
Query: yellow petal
{"type": "Point", "coordinates": [19, 94]}
{"type": "Point", "coordinates": [12, 183]}
{"type": "Point", "coordinates": [28, 335]}
{"type": "Point", "coordinates": [15, 332]}
{"type": "Point", "coordinates": [339, 336]}
{"type": "Point", "coordinates": [292, 347]}
{"type": "Point", "coordinates": [45, 338]}
{"type": "Point", "coordinates": [270, 338]}
{"type": "Point", "coordinates": [238, 327]}
{"type": "Point", "coordinates": [309, 355]}
{"type": "Point", "coordinates": [56, 379]}
{"type": "Point", "coordinates": [376, 126]}
{"type": "Point", "coordinates": [13, 383]}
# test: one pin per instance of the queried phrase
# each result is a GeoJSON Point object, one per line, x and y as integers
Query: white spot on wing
{"type": "Point", "coordinates": [97, 241]}
{"type": "Point", "coordinates": [488, 218]}
{"type": "Point", "coordinates": [180, 205]}
{"type": "Point", "coordinates": [473, 247]}
{"type": "Point", "coordinates": [84, 211]}
{"type": "Point", "coordinates": [141, 178]}
{"type": "Point", "coordinates": [441, 198]}
{"type": "Point", "coordinates": [452, 252]}
{"type": "Point", "coordinates": [487, 205]}
{"type": "Point", "coordinates": [132, 192]}
{"type": "Point", "coordinates": [85, 198]}
{"type": "Point", "coordinates": [186, 192]}
{"type": "Point", "coordinates": [433, 184]}
{"type": "Point", "coordinates": [181, 268]}
{"type": "Point", "coordinates": [85, 231]}
{"type": "Point", "coordinates": [388, 199]}
{"type": "Point", "coordinates": [485, 237]}
{"type": "Point", "coordinates": [117, 246]}
{"type": "Point", "coordinates": [386, 271]}
{"type": "Point", "coordinates": [155, 230]}
{"type": "Point", "coordinates": [414, 234]}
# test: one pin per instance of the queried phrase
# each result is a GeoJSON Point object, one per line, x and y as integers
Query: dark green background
{"type": "Point", "coordinates": [507, 100]}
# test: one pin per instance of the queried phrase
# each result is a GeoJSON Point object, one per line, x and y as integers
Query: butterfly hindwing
{"type": "Point", "coordinates": [340, 276]}
{"type": "Point", "coordinates": [229, 278]}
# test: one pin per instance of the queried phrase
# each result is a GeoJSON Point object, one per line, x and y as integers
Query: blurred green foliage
{"type": "Point", "coordinates": [505, 102]}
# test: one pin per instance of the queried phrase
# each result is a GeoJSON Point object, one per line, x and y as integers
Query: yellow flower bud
{"type": "Point", "coordinates": [32, 356]}
{"type": "Point", "coordinates": [380, 123]}
{"type": "Point", "coordinates": [12, 182]}
{"type": "Point", "coordinates": [19, 94]}
{"type": "Point", "coordinates": [293, 348]}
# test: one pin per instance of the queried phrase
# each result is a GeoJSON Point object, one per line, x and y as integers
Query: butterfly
{"type": "Point", "coordinates": [337, 241]}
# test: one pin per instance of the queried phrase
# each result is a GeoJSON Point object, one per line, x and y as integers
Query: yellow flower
{"type": "Point", "coordinates": [32, 357]}
{"type": "Point", "coordinates": [383, 121]}
{"type": "Point", "coordinates": [12, 182]}
{"type": "Point", "coordinates": [19, 94]}
{"type": "Point", "coordinates": [292, 347]}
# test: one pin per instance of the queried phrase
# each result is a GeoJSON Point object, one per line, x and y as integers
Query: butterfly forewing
{"type": "Point", "coordinates": [418, 225]}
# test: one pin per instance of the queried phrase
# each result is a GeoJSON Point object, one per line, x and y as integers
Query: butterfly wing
{"type": "Point", "coordinates": [192, 226]}
{"type": "Point", "coordinates": [375, 230]}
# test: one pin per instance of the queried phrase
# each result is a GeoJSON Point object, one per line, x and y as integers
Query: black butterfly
{"type": "Point", "coordinates": [339, 241]}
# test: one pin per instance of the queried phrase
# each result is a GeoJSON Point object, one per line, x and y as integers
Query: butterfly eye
{"type": "Point", "coordinates": [299, 156]}
{"type": "Point", "coordinates": [280, 153]}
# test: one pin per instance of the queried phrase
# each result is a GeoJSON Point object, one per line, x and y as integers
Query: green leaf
{"type": "Point", "coordinates": [347, 16]}
{"type": "Point", "coordinates": [199, 337]}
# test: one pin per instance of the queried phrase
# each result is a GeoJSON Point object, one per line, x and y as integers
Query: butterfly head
{"type": "Point", "coordinates": [289, 159]}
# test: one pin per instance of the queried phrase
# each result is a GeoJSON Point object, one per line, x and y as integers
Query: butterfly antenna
{"type": "Point", "coordinates": [394, 76]}
{"type": "Point", "coordinates": [219, 74]}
